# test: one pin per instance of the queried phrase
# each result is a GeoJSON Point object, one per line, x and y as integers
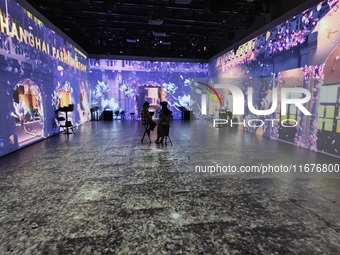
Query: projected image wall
{"type": "Point", "coordinates": [302, 52]}
{"type": "Point", "coordinates": [124, 85]}
{"type": "Point", "coordinates": [40, 71]}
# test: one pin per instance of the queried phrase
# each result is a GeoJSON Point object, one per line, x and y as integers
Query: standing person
{"type": "Point", "coordinates": [146, 118]}
{"type": "Point", "coordinates": [165, 117]}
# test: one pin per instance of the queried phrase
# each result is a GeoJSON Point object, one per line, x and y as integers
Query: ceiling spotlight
{"type": "Point", "coordinates": [155, 19]}
{"type": "Point", "coordinates": [183, 1]}
{"type": "Point", "coordinates": [131, 40]}
{"type": "Point", "coordinates": [155, 22]}
{"type": "Point", "coordinates": [44, 7]}
{"type": "Point", "coordinates": [159, 34]}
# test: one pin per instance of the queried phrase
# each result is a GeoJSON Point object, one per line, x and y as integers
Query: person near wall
{"type": "Point", "coordinates": [165, 117]}
{"type": "Point", "coordinates": [146, 118]}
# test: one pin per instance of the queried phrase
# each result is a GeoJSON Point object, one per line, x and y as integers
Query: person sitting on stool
{"type": "Point", "coordinates": [146, 118]}
{"type": "Point", "coordinates": [165, 117]}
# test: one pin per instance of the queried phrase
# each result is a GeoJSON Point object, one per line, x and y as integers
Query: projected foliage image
{"type": "Point", "coordinates": [124, 85]}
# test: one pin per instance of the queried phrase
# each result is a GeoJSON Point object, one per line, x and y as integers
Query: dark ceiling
{"type": "Point", "coordinates": [160, 28]}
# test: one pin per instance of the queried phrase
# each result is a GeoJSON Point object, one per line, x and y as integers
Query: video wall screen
{"type": "Point", "coordinates": [40, 71]}
{"type": "Point", "coordinates": [124, 85]}
{"type": "Point", "coordinates": [302, 52]}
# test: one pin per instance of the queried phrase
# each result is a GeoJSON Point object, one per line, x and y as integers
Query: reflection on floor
{"type": "Point", "coordinates": [103, 192]}
{"type": "Point", "coordinates": [34, 132]}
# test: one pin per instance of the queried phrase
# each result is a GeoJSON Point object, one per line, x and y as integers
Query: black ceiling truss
{"type": "Point", "coordinates": [157, 28]}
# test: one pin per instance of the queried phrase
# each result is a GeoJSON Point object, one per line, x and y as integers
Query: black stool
{"type": "Point", "coordinates": [67, 126]}
{"type": "Point", "coordinates": [146, 131]}
{"type": "Point", "coordinates": [164, 139]}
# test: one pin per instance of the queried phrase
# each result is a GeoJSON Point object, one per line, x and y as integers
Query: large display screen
{"type": "Point", "coordinates": [124, 85]}
{"type": "Point", "coordinates": [40, 71]}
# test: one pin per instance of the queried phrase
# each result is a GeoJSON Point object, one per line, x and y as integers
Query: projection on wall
{"type": "Point", "coordinates": [301, 52]}
{"type": "Point", "coordinates": [122, 86]}
{"type": "Point", "coordinates": [40, 72]}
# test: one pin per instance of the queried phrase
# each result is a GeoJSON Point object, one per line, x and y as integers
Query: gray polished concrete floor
{"type": "Point", "coordinates": [102, 191]}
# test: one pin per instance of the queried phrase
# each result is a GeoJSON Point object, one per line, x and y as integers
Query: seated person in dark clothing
{"type": "Point", "coordinates": [165, 117]}
{"type": "Point", "coordinates": [229, 115]}
{"type": "Point", "coordinates": [146, 117]}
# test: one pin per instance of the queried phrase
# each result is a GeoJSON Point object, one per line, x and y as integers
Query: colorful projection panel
{"type": "Point", "coordinates": [302, 52]}
{"type": "Point", "coordinates": [40, 72]}
{"type": "Point", "coordinates": [124, 85]}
